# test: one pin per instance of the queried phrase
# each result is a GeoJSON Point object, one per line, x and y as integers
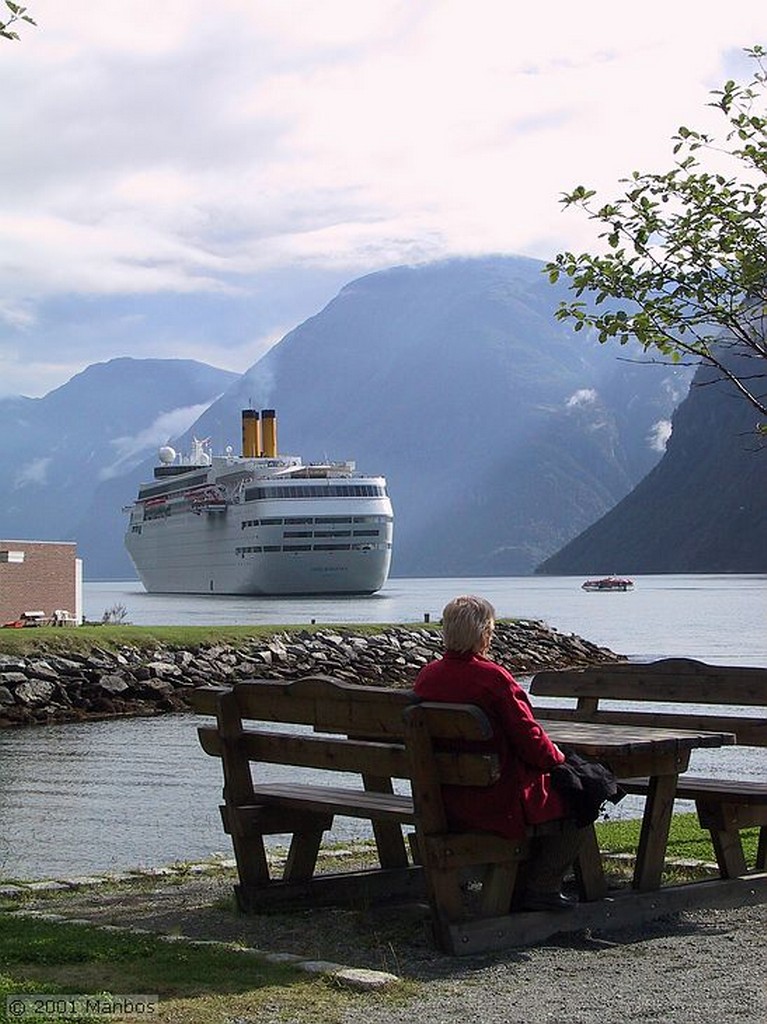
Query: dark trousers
{"type": "Point", "coordinates": [551, 857]}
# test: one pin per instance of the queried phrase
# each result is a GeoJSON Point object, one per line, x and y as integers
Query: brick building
{"type": "Point", "coordinates": [39, 576]}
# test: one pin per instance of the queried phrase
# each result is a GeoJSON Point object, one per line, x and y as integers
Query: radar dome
{"type": "Point", "coordinates": [167, 454]}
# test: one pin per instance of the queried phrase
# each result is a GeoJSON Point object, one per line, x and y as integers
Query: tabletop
{"type": "Point", "coordinates": [604, 741]}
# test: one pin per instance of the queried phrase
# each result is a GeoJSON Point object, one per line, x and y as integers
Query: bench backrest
{"type": "Point", "coordinates": [675, 684]}
{"type": "Point", "coordinates": [359, 729]}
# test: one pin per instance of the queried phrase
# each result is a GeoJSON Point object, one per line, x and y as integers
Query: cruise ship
{"type": "Point", "coordinates": [259, 522]}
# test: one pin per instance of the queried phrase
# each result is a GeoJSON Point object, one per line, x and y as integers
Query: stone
{"type": "Point", "coordinates": [362, 980]}
{"type": "Point", "coordinates": [11, 664]}
{"type": "Point", "coordinates": [65, 666]}
{"type": "Point", "coordinates": [161, 687]}
{"type": "Point", "coordinates": [35, 691]}
{"type": "Point", "coordinates": [319, 967]}
{"type": "Point", "coordinates": [112, 684]}
{"type": "Point", "coordinates": [43, 670]}
{"type": "Point", "coordinates": [13, 678]}
{"type": "Point", "coordinates": [162, 670]}
{"type": "Point", "coordinates": [11, 891]}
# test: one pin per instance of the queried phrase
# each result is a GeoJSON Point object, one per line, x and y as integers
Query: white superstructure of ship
{"type": "Point", "coordinates": [259, 522]}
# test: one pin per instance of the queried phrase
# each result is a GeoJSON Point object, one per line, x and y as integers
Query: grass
{"type": "Point", "coordinates": [196, 984]}
{"type": "Point", "coordinates": [111, 637]}
{"type": "Point", "coordinates": [687, 840]}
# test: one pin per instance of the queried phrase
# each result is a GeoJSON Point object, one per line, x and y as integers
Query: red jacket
{"type": "Point", "coordinates": [523, 795]}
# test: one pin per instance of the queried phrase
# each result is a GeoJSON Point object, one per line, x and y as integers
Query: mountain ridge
{"type": "Point", "coordinates": [703, 508]}
{"type": "Point", "coordinates": [502, 434]}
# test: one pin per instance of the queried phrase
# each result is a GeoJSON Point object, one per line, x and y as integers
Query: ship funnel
{"type": "Point", "coordinates": [251, 434]}
{"type": "Point", "coordinates": [269, 430]}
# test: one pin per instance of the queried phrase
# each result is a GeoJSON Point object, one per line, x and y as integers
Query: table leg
{"type": "Point", "coordinates": [589, 872]}
{"type": "Point", "coordinates": [653, 838]}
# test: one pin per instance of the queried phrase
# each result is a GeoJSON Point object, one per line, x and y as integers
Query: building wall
{"type": "Point", "coordinates": [45, 580]}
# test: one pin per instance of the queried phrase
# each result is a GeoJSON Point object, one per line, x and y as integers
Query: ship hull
{"type": "Point", "coordinates": [255, 548]}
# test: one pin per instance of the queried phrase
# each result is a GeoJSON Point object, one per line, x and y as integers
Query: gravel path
{"type": "Point", "coordinates": [706, 967]}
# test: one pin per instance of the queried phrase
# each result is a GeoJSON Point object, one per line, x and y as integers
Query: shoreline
{"type": "Point", "coordinates": [54, 683]}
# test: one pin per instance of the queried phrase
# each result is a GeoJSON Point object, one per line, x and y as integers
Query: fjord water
{"type": "Point", "coordinates": [103, 796]}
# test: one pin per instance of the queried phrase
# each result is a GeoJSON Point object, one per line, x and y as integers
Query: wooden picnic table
{"type": "Point", "coordinates": [631, 750]}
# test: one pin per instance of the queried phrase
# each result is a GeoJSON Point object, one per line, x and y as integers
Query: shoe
{"type": "Point", "coordinates": [548, 901]}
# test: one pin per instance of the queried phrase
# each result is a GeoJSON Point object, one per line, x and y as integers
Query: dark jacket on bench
{"type": "Point", "coordinates": [586, 786]}
{"type": "Point", "coordinates": [524, 794]}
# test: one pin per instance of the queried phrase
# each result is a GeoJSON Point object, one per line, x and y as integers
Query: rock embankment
{"type": "Point", "coordinates": [47, 687]}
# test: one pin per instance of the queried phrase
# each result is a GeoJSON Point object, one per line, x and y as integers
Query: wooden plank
{"type": "Point", "coordinates": [204, 699]}
{"type": "Point", "coordinates": [750, 732]}
{"type": "Point", "coordinates": [343, 755]}
{"type": "Point", "coordinates": [327, 704]}
{"type": "Point", "coordinates": [653, 836]}
{"type": "Point", "coordinates": [695, 787]}
{"type": "Point", "coordinates": [302, 855]}
{"type": "Point", "coordinates": [249, 851]}
{"type": "Point", "coordinates": [676, 680]}
{"type": "Point", "coordinates": [589, 869]}
{"type": "Point", "coordinates": [269, 820]}
{"type": "Point", "coordinates": [464, 849]}
{"type": "Point", "coordinates": [443, 881]}
{"type": "Point", "coordinates": [352, 803]}
{"type": "Point", "coordinates": [728, 850]}
{"type": "Point", "coordinates": [627, 909]}
{"type": "Point", "coordinates": [357, 889]}
{"type": "Point", "coordinates": [618, 741]}
{"type": "Point", "coordinates": [307, 751]}
{"type": "Point", "coordinates": [649, 763]}
{"type": "Point", "coordinates": [498, 888]}
{"type": "Point", "coordinates": [731, 814]}
{"type": "Point", "coordinates": [424, 780]}
{"type": "Point", "coordinates": [390, 843]}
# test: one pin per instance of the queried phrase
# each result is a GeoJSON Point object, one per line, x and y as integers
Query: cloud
{"type": "Point", "coordinates": [154, 150]}
{"type": "Point", "coordinates": [34, 473]}
{"type": "Point", "coordinates": [659, 434]}
{"type": "Point", "coordinates": [16, 315]}
{"type": "Point", "coordinates": [581, 398]}
{"type": "Point", "coordinates": [130, 451]}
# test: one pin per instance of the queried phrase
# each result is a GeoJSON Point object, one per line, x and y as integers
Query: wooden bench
{"type": "Point", "coordinates": [380, 735]}
{"type": "Point", "coordinates": [725, 806]}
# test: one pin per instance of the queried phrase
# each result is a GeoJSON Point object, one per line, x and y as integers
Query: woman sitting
{"type": "Point", "coordinates": [523, 795]}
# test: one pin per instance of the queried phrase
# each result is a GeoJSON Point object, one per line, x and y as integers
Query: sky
{"type": "Point", "coordinates": [192, 180]}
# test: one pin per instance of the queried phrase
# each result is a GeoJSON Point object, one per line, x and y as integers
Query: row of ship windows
{"type": "Point", "coordinates": [267, 548]}
{"type": "Point", "coordinates": [330, 533]}
{"type": "Point", "coordinates": [314, 520]}
{"type": "Point", "coordinates": [164, 511]}
{"type": "Point", "coordinates": [319, 491]}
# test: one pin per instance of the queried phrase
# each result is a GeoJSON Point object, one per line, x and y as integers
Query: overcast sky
{"type": "Point", "coordinates": [189, 179]}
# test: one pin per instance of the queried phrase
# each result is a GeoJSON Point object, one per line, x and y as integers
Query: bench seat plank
{"type": "Point", "coordinates": [693, 787]}
{"type": "Point", "coordinates": [349, 803]}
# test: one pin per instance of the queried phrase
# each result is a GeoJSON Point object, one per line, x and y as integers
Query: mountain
{"type": "Point", "coordinates": [56, 451]}
{"type": "Point", "coordinates": [702, 509]}
{"type": "Point", "coordinates": [501, 433]}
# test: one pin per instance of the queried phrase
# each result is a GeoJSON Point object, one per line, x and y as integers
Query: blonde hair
{"type": "Point", "coordinates": [467, 624]}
